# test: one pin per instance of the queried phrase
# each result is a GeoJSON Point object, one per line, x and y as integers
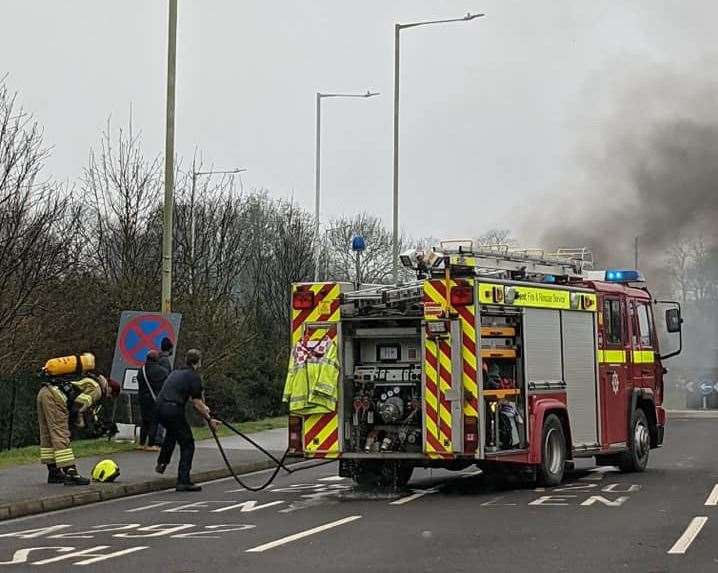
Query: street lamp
{"type": "Point", "coordinates": [397, 29]}
{"type": "Point", "coordinates": [196, 174]}
{"type": "Point", "coordinates": [317, 161]}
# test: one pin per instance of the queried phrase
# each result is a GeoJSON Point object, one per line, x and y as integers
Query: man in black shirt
{"type": "Point", "coordinates": [181, 386]}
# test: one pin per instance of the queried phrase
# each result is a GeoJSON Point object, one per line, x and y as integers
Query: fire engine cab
{"type": "Point", "coordinates": [506, 359]}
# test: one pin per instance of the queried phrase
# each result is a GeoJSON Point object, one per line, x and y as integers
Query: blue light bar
{"type": "Point", "coordinates": [623, 276]}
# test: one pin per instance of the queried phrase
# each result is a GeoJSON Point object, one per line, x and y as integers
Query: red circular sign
{"type": "Point", "coordinates": [142, 334]}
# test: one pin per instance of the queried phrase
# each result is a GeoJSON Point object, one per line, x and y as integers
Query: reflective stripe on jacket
{"type": "Point", "coordinates": [89, 393]}
{"type": "Point", "coordinates": [313, 377]}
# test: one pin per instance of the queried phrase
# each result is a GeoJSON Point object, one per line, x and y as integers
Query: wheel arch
{"type": "Point", "coordinates": [644, 399]}
{"type": "Point", "coordinates": [541, 409]}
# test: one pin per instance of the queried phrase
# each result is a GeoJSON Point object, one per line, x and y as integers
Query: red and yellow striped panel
{"type": "Point", "coordinates": [469, 358]}
{"type": "Point", "coordinates": [437, 379]}
{"type": "Point", "coordinates": [326, 309]}
{"type": "Point", "coordinates": [321, 435]}
{"type": "Point", "coordinates": [321, 431]}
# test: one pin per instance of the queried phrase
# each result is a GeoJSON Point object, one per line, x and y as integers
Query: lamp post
{"type": "Point", "coordinates": [169, 161]}
{"type": "Point", "coordinates": [397, 30]}
{"type": "Point", "coordinates": [317, 163]}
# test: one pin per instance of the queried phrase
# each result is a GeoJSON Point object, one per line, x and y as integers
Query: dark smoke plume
{"type": "Point", "coordinates": [649, 169]}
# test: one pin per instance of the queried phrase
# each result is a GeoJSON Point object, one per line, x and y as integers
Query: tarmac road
{"type": "Point", "coordinates": [665, 519]}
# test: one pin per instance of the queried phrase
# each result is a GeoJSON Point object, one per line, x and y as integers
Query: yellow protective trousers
{"type": "Point", "coordinates": [54, 420]}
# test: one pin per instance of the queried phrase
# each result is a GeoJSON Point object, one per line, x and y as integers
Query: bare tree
{"type": "Point", "coordinates": [494, 237]}
{"type": "Point", "coordinates": [375, 262]}
{"type": "Point", "coordinates": [678, 265]}
{"type": "Point", "coordinates": [122, 229]}
{"type": "Point", "coordinates": [282, 247]}
{"type": "Point", "coordinates": [37, 221]}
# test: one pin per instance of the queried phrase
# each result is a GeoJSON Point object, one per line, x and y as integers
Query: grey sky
{"type": "Point", "coordinates": [491, 111]}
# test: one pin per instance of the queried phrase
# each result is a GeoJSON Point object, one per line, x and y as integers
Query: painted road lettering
{"type": "Point", "coordinates": [553, 500]}
{"type": "Point", "coordinates": [618, 502]}
{"type": "Point", "coordinates": [208, 506]}
{"type": "Point", "coordinates": [120, 530]}
{"type": "Point", "coordinates": [82, 556]}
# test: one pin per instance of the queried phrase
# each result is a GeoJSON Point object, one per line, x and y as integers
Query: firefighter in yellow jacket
{"type": "Point", "coordinates": [63, 401]}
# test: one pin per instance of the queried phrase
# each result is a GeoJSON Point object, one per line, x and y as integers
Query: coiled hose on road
{"type": "Point", "coordinates": [280, 462]}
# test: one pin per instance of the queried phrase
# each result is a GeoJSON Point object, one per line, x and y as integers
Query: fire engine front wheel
{"type": "Point", "coordinates": [639, 446]}
{"type": "Point", "coordinates": [553, 452]}
{"type": "Point", "coordinates": [382, 474]}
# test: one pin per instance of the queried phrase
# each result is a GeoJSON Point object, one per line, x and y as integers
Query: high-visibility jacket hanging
{"type": "Point", "coordinates": [313, 377]}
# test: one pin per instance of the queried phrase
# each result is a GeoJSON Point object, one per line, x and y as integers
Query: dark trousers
{"type": "Point", "coordinates": [177, 431]}
{"type": "Point", "coordinates": [148, 428]}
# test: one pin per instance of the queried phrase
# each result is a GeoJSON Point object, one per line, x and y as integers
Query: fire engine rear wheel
{"type": "Point", "coordinates": [553, 452]}
{"type": "Point", "coordinates": [382, 474]}
{"type": "Point", "coordinates": [639, 445]}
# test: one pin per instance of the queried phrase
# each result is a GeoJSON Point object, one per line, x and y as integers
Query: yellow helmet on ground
{"type": "Point", "coordinates": [105, 471]}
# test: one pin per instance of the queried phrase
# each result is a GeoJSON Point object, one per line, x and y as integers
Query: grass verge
{"type": "Point", "coordinates": [203, 433]}
{"type": "Point", "coordinates": [85, 448]}
{"type": "Point", "coordinates": [82, 448]}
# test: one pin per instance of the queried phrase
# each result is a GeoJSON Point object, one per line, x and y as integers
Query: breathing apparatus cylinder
{"type": "Point", "coordinates": [76, 364]}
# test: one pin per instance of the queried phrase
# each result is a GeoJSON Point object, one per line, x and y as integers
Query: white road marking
{"type": "Point", "coordinates": [246, 506]}
{"type": "Point", "coordinates": [713, 497]}
{"type": "Point", "coordinates": [150, 506]}
{"type": "Point", "coordinates": [418, 493]}
{"type": "Point", "coordinates": [691, 532]}
{"type": "Point", "coordinates": [297, 466]}
{"type": "Point", "coordinates": [331, 478]}
{"type": "Point", "coordinates": [302, 534]}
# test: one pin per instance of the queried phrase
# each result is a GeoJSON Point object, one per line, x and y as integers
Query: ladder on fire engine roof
{"type": "Point", "coordinates": [496, 261]}
{"type": "Point", "coordinates": [492, 260]}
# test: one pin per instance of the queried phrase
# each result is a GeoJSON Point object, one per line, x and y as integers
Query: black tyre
{"type": "Point", "coordinates": [553, 452]}
{"type": "Point", "coordinates": [639, 444]}
{"type": "Point", "coordinates": [382, 474]}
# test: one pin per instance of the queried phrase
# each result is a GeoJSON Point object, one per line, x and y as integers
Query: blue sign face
{"type": "Point", "coordinates": [358, 243]}
{"type": "Point", "coordinates": [142, 334]}
{"type": "Point", "coordinates": [706, 388]}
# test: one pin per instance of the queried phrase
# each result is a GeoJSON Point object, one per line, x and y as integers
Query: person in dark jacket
{"type": "Point", "coordinates": [166, 350]}
{"type": "Point", "coordinates": [150, 378]}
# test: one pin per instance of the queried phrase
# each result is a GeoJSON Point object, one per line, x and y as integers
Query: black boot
{"type": "Point", "coordinates": [188, 487]}
{"type": "Point", "coordinates": [72, 477]}
{"type": "Point", "coordinates": [55, 474]}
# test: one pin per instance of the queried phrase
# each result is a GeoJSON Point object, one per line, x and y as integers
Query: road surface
{"type": "Point", "coordinates": [665, 519]}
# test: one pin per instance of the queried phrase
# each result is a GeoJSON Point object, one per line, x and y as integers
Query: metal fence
{"type": "Point", "coordinates": [18, 414]}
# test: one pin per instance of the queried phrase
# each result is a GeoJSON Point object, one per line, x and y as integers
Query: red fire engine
{"type": "Point", "coordinates": [507, 359]}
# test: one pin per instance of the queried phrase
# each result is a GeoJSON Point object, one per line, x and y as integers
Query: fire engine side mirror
{"type": "Point", "coordinates": [673, 320]}
{"type": "Point", "coordinates": [674, 323]}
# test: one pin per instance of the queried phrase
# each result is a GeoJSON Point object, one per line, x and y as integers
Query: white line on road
{"type": "Point", "coordinates": [331, 478]}
{"type": "Point", "coordinates": [302, 534]}
{"type": "Point", "coordinates": [691, 532]}
{"type": "Point", "coordinates": [413, 496]}
{"type": "Point", "coordinates": [713, 497]}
